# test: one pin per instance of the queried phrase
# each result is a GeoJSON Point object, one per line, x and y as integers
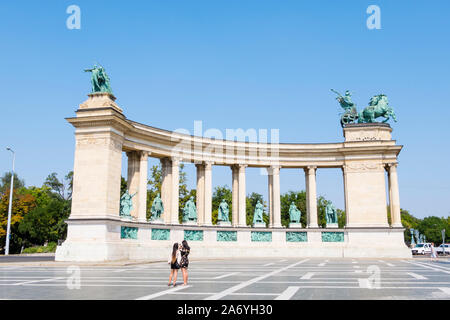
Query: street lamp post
{"type": "Point", "coordinates": [8, 228]}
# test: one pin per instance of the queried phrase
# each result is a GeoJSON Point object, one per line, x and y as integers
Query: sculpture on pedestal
{"type": "Point", "coordinates": [294, 213]}
{"type": "Point", "coordinates": [157, 208]}
{"type": "Point", "coordinates": [190, 211]}
{"type": "Point", "coordinates": [223, 212]}
{"type": "Point", "coordinates": [350, 114]}
{"type": "Point", "coordinates": [126, 205]}
{"type": "Point", "coordinates": [330, 214]}
{"type": "Point", "coordinates": [378, 107]}
{"type": "Point", "coordinates": [99, 79]}
{"type": "Point", "coordinates": [413, 243]}
{"type": "Point", "coordinates": [258, 214]}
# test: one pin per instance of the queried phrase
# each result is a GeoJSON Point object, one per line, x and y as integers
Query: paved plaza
{"type": "Point", "coordinates": [236, 279]}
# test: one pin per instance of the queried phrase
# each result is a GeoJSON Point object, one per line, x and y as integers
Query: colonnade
{"type": "Point", "coordinates": [137, 183]}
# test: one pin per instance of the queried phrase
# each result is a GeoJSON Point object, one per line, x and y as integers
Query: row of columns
{"type": "Point", "coordinates": [137, 180]}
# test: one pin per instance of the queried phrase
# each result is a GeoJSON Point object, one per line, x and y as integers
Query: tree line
{"type": "Point", "coordinates": [39, 213]}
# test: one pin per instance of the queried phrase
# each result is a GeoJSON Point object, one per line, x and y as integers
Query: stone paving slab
{"type": "Point", "coordinates": [234, 279]}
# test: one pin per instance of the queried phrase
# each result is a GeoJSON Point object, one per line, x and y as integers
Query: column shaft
{"type": "Point", "coordinates": [311, 196]}
{"type": "Point", "coordinates": [276, 198]}
{"type": "Point", "coordinates": [208, 194]}
{"type": "Point", "coordinates": [143, 181]}
{"type": "Point", "coordinates": [175, 191]}
{"type": "Point", "coordinates": [270, 193]}
{"type": "Point", "coordinates": [394, 201]}
{"type": "Point", "coordinates": [235, 196]}
{"type": "Point", "coordinates": [242, 197]}
{"type": "Point", "coordinates": [166, 188]}
{"type": "Point", "coordinates": [133, 181]}
{"type": "Point", "coordinates": [200, 193]}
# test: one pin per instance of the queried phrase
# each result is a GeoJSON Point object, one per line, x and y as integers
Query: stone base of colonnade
{"type": "Point", "coordinates": [112, 240]}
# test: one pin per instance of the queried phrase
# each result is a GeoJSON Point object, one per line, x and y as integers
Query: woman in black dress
{"type": "Point", "coordinates": [184, 263]}
{"type": "Point", "coordinates": [174, 261]}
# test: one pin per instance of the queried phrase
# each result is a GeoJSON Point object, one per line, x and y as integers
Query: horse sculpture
{"type": "Point", "coordinates": [378, 107]}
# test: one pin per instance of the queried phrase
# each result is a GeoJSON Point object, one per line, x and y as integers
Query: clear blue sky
{"type": "Point", "coordinates": [174, 62]}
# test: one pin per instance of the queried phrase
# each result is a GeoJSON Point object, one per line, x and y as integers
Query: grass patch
{"type": "Point", "coordinates": [51, 247]}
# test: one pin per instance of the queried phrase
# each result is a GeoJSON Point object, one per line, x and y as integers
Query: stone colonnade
{"type": "Point", "coordinates": [137, 183]}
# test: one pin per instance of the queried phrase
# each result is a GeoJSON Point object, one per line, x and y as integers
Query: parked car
{"type": "Point", "coordinates": [443, 249]}
{"type": "Point", "coordinates": [422, 248]}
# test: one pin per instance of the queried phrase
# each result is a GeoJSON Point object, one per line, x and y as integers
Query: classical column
{"type": "Point", "coordinates": [200, 193]}
{"type": "Point", "coordinates": [166, 188]}
{"type": "Point", "coordinates": [394, 201]}
{"type": "Point", "coordinates": [311, 197]}
{"type": "Point", "coordinates": [208, 194]}
{"type": "Point", "coordinates": [270, 195]}
{"type": "Point", "coordinates": [242, 197]}
{"type": "Point", "coordinates": [235, 195]}
{"type": "Point", "coordinates": [175, 191]}
{"type": "Point", "coordinates": [133, 181]}
{"type": "Point", "coordinates": [276, 197]}
{"type": "Point", "coordinates": [143, 181]}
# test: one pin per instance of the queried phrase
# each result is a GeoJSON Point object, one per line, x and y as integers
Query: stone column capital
{"type": "Point", "coordinates": [242, 165]}
{"type": "Point", "coordinates": [310, 169]}
{"type": "Point", "coordinates": [208, 165]}
{"type": "Point", "coordinates": [391, 166]}
{"type": "Point", "coordinates": [144, 155]}
{"type": "Point", "coordinates": [175, 160]}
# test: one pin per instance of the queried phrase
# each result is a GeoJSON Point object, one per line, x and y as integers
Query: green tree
{"type": "Point", "coordinates": [431, 227]}
{"type": "Point", "coordinates": [5, 182]}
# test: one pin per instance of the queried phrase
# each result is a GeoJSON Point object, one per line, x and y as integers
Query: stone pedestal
{"type": "Point", "coordinates": [224, 223]}
{"type": "Point", "coordinates": [157, 221]}
{"type": "Point", "coordinates": [295, 225]}
{"type": "Point", "coordinates": [190, 223]}
{"type": "Point", "coordinates": [259, 225]}
{"type": "Point", "coordinates": [365, 179]}
{"type": "Point", "coordinates": [332, 225]}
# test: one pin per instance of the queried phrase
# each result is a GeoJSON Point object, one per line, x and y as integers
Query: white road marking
{"type": "Point", "coordinates": [158, 294]}
{"type": "Point", "coordinates": [283, 260]}
{"type": "Point", "coordinates": [34, 281]}
{"type": "Point", "coordinates": [308, 275]}
{"type": "Point", "coordinates": [251, 281]}
{"type": "Point", "coordinates": [417, 276]}
{"type": "Point", "coordinates": [445, 290]}
{"type": "Point", "coordinates": [424, 265]}
{"type": "Point", "coordinates": [288, 293]}
{"type": "Point", "coordinates": [226, 275]}
{"type": "Point", "coordinates": [269, 264]}
{"type": "Point", "coordinates": [321, 264]}
{"type": "Point", "coordinates": [387, 263]}
{"type": "Point", "coordinates": [356, 267]}
{"type": "Point", "coordinates": [358, 271]}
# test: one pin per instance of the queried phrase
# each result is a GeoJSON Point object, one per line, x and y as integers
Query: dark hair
{"type": "Point", "coordinates": [185, 245]}
{"type": "Point", "coordinates": [174, 252]}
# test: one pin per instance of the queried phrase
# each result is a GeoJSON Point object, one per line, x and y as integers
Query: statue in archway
{"type": "Point", "coordinates": [99, 79]}
{"type": "Point", "coordinates": [157, 208]}
{"type": "Point", "coordinates": [294, 213]}
{"type": "Point", "coordinates": [190, 211]}
{"type": "Point", "coordinates": [223, 212]}
{"type": "Point", "coordinates": [126, 205]}
{"type": "Point", "coordinates": [258, 214]}
{"type": "Point", "coordinates": [330, 214]}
